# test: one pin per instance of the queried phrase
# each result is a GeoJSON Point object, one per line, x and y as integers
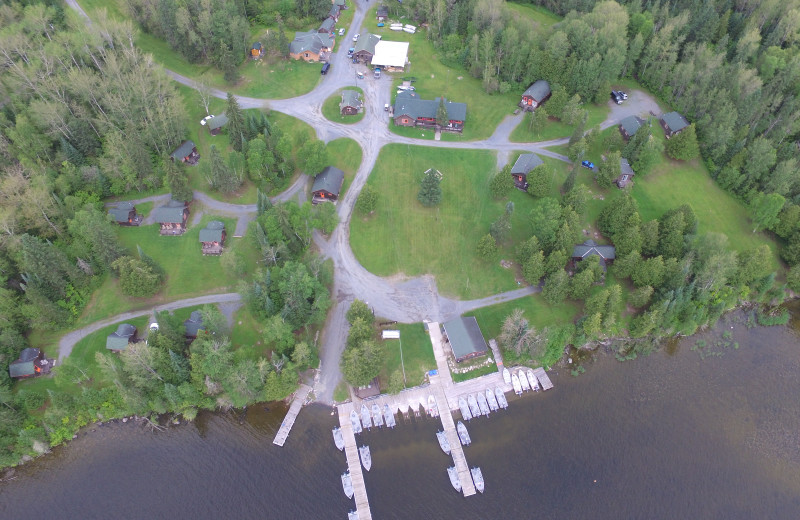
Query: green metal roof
{"type": "Point", "coordinates": [674, 121]}
{"type": "Point", "coordinates": [465, 337]}
{"type": "Point", "coordinates": [590, 248]}
{"type": "Point", "coordinates": [172, 213]}
{"type": "Point", "coordinates": [121, 212]}
{"type": "Point", "coordinates": [538, 91]}
{"type": "Point", "coordinates": [409, 103]}
{"type": "Point", "coordinates": [212, 232]}
{"type": "Point", "coordinates": [631, 124]}
{"type": "Point", "coordinates": [525, 163]}
{"type": "Point", "coordinates": [366, 42]}
{"type": "Point", "coordinates": [625, 167]}
{"type": "Point", "coordinates": [24, 365]}
{"type": "Point", "coordinates": [310, 41]}
{"type": "Point", "coordinates": [217, 122]}
{"type": "Point", "coordinates": [328, 23]}
{"type": "Point", "coordinates": [194, 324]}
{"type": "Point", "coordinates": [330, 179]}
{"type": "Point", "coordinates": [350, 99]}
{"type": "Point", "coordinates": [184, 150]}
{"type": "Point", "coordinates": [118, 340]}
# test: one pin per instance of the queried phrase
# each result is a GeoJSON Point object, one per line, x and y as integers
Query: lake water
{"type": "Point", "coordinates": [669, 436]}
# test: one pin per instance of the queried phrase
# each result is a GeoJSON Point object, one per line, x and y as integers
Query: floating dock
{"type": "Point", "coordinates": [288, 421]}
{"type": "Point", "coordinates": [541, 375]}
{"type": "Point", "coordinates": [456, 449]}
{"type": "Point", "coordinates": [354, 463]}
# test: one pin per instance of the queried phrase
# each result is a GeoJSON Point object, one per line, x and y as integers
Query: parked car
{"type": "Point", "coordinates": [341, 31]}
{"type": "Point", "coordinates": [587, 164]}
{"type": "Point", "coordinates": [325, 68]}
{"type": "Point", "coordinates": [386, 107]}
{"type": "Point", "coordinates": [615, 97]}
{"type": "Point", "coordinates": [350, 51]}
{"type": "Point", "coordinates": [377, 72]}
{"type": "Point", "coordinates": [355, 38]}
{"type": "Point", "coordinates": [205, 120]}
{"type": "Point", "coordinates": [621, 93]}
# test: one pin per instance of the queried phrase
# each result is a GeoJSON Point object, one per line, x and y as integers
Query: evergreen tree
{"type": "Point", "coordinates": [556, 287]}
{"type": "Point", "coordinates": [430, 191]}
{"type": "Point", "coordinates": [609, 170]}
{"type": "Point", "coordinates": [683, 146]}
{"type": "Point", "coordinates": [487, 248]}
{"type": "Point", "coordinates": [176, 179]}
{"type": "Point", "coordinates": [237, 131]}
{"type": "Point", "coordinates": [539, 180]}
{"type": "Point", "coordinates": [502, 183]}
{"type": "Point", "coordinates": [71, 153]}
{"type": "Point", "coordinates": [441, 114]}
{"type": "Point", "coordinates": [367, 200]}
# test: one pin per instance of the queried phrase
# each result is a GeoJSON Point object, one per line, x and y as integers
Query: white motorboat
{"type": "Point", "coordinates": [501, 398]}
{"type": "Point", "coordinates": [533, 381]}
{"type": "Point", "coordinates": [463, 434]}
{"type": "Point", "coordinates": [366, 420]}
{"type": "Point", "coordinates": [506, 376]}
{"type": "Point", "coordinates": [338, 439]}
{"type": "Point", "coordinates": [483, 404]}
{"type": "Point", "coordinates": [433, 410]}
{"type": "Point", "coordinates": [473, 405]}
{"type": "Point", "coordinates": [347, 484]}
{"type": "Point", "coordinates": [355, 422]}
{"type": "Point", "coordinates": [517, 384]}
{"type": "Point", "coordinates": [443, 442]}
{"type": "Point", "coordinates": [465, 413]}
{"type": "Point", "coordinates": [451, 471]}
{"type": "Point", "coordinates": [377, 416]}
{"type": "Point", "coordinates": [352, 515]}
{"type": "Point", "coordinates": [388, 416]}
{"type": "Point", "coordinates": [477, 477]}
{"type": "Point", "coordinates": [366, 457]}
{"type": "Point", "coordinates": [492, 400]}
{"type": "Point", "coordinates": [523, 380]}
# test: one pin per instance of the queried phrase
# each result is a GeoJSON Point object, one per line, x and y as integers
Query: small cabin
{"type": "Point", "coordinates": [327, 185]}
{"type": "Point", "coordinates": [212, 238]}
{"type": "Point", "coordinates": [194, 325]}
{"type": "Point", "coordinates": [590, 248]}
{"type": "Point", "coordinates": [172, 218]}
{"type": "Point", "coordinates": [524, 164]}
{"type": "Point", "coordinates": [256, 51]}
{"type": "Point", "coordinates": [382, 14]}
{"type": "Point", "coordinates": [351, 103]}
{"type": "Point", "coordinates": [216, 123]}
{"type": "Point", "coordinates": [124, 214]}
{"type": "Point", "coordinates": [673, 123]}
{"type": "Point", "coordinates": [119, 340]}
{"type": "Point", "coordinates": [327, 26]}
{"type": "Point", "coordinates": [629, 126]}
{"type": "Point", "coordinates": [31, 363]}
{"type": "Point", "coordinates": [626, 173]}
{"type": "Point", "coordinates": [465, 338]}
{"type": "Point", "coordinates": [186, 152]}
{"type": "Point", "coordinates": [535, 95]}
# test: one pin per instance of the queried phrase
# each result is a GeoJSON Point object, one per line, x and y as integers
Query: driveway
{"type": "Point", "coordinates": [638, 104]}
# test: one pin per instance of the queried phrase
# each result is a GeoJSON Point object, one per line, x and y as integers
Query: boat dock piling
{"type": "Point", "coordinates": [541, 375]}
{"type": "Point", "coordinates": [354, 462]}
{"type": "Point", "coordinates": [288, 421]}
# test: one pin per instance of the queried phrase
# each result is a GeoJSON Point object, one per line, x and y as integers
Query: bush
{"type": "Point", "coordinates": [136, 277]}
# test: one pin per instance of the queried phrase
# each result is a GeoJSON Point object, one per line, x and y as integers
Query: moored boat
{"type": "Point", "coordinates": [388, 416]}
{"type": "Point", "coordinates": [533, 381]}
{"type": "Point", "coordinates": [377, 416]}
{"type": "Point", "coordinates": [433, 410]}
{"type": "Point", "coordinates": [492, 400]}
{"type": "Point", "coordinates": [483, 404]}
{"type": "Point", "coordinates": [473, 405]}
{"type": "Point", "coordinates": [355, 422]}
{"type": "Point", "coordinates": [465, 413]}
{"type": "Point", "coordinates": [366, 457]}
{"type": "Point", "coordinates": [477, 477]}
{"type": "Point", "coordinates": [523, 380]}
{"type": "Point", "coordinates": [443, 442]}
{"type": "Point", "coordinates": [352, 515]}
{"type": "Point", "coordinates": [506, 376]}
{"type": "Point", "coordinates": [501, 398]}
{"type": "Point", "coordinates": [338, 439]}
{"type": "Point", "coordinates": [347, 484]}
{"type": "Point", "coordinates": [366, 420]}
{"type": "Point", "coordinates": [451, 471]}
{"type": "Point", "coordinates": [463, 434]}
{"type": "Point", "coordinates": [516, 383]}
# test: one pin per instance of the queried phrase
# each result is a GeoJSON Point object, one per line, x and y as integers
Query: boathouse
{"type": "Point", "coordinates": [465, 338]}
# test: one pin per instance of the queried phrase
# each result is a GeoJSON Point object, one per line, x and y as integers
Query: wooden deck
{"type": "Point", "coordinates": [541, 375]}
{"type": "Point", "coordinates": [288, 421]}
{"type": "Point", "coordinates": [354, 463]}
{"type": "Point", "coordinates": [456, 449]}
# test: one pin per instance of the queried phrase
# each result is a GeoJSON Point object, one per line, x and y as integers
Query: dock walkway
{"type": "Point", "coordinates": [354, 463]}
{"type": "Point", "coordinates": [288, 421]}
{"type": "Point", "coordinates": [544, 380]}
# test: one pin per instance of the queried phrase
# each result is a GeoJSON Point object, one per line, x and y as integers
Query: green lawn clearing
{"type": "Point", "coordinates": [538, 312]}
{"type": "Point", "coordinates": [345, 154]}
{"type": "Point", "coordinates": [332, 112]}
{"type": "Point", "coordinates": [405, 238]}
{"type": "Point", "coordinates": [417, 356]}
{"type": "Point", "coordinates": [535, 13]}
{"type": "Point", "coordinates": [554, 128]}
{"type": "Point", "coordinates": [472, 374]}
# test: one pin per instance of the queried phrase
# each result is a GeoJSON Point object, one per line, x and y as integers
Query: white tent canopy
{"type": "Point", "coordinates": [390, 54]}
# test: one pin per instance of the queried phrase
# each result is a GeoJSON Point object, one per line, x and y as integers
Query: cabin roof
{"type": "Point", "coordinates": [330, 179]}
{"type": "Point", "coordinates": [538, 91]}
{"type": "Point", "coordinates": [525, 163]}
{"type": "Point", "coordinates": [465, 337]}
{"type": "Point", "coordinates": [212, 232]}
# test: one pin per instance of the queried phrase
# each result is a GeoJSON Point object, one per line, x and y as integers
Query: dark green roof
{"type": "Point", "coordinates": [118, 340]}
{"type": "Point", "coordinates": [625, 167]}
{"type": "Point", "coordinates": [184, 150]}
{"type": "Point", "coordinates": [330, 179]}
{"type": "Point", "coordinates": [217, 122]}
{"type": "Point", "coordinates": [340, 3]}
{"type": "Point", "coordinates": [172, 213]}
{"type": "Point", "coordinates": [194, 324]}
{"type": "Point", "coordinates": [24, 366]}
{"type": "Point", "coordinates": [328, 23]}
{"type": "Point", "coordinates": [212, 232]}
{"type": "Point", "coordinates": [538, 91]}
{"type": "Point", "coordinates": [257, 46]}
{"type": "Point", "coordinates": [631, 124]}
{"type": "Point", "coordinates": [409, 103]}
{"type": "Point", "coordinates": [674, 121]}
{"type": "Point", "coordinates": [382, 11]}
{"type": "Point", "coordinates": [525, 163]}
{"type": "Point", "coordinates": [121, 211]}
{"type": "Point", "coordinates": [311, 41]}
{"type": "Point", "coordinates": [366, 42]}
{"type": "Point", "coordinates": [350, 99]}
{"type": "Point", "coordinates": [465, 337]}
{"type": "Point", "coordinates": [590, 248]}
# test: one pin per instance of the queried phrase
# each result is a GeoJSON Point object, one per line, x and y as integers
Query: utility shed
{"type": "Point", "coordinates": [392, 56]}
{"type": "Point", "coordinates": [629, 126]}
{"type": "Point", "coordinates": [672, 123]}
{"type": "Point", "coordinates": [465, 338]}
{"type": "Point", "coordinates": [327, 185]}
{"type": "Point", "coordinates": [118, 340]}
{"type": "Point", "coordinates": [216, 123]}
{"type": "Point", "coordinates": [194, 324]}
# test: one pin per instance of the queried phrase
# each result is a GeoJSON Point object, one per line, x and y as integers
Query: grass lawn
{"type": "Point", "coordinates": [538, 312]}
{"type": "Point", "coordinates": [472, 374]}
{"type": "Point", "coordinates": [332, 112]}
{"type": "Point", "coordinates": [555, 129]}
{"type": "Point", "coordinates": [418, 356]}
{"type": "Point", "coordinates": [403, 237]}
{"type": "Point", "coordinates": [346, 155]}
{"type": "Point", "coordinates": [246, 335]}
{"type": "Point", "coordinates": [538, 14]}
{"type": "Point", "coordinates": [341, 393]}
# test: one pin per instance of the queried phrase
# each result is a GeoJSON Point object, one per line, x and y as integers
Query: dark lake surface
{"type": "Point", "coordinates": [673, 435]}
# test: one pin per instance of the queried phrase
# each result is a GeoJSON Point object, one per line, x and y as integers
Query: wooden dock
{"type": "Point", "coordinates": [288, 421]}
{"type": "Point", "coordinates": [456, 449]}
{"type": "Point", "coordinates": [354, 463]}
{"type": "Point", "coordinates": [541, 375]}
